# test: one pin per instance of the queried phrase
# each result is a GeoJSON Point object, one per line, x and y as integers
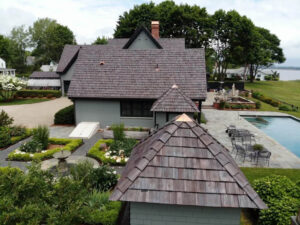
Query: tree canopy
{"type": "Point", "coordinates": [100, 41]}
{"type": "Point", "coordinates": [228, 38]}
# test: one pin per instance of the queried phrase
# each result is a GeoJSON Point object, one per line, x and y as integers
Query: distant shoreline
{"type": "Point", "coordinates": [284, 68]}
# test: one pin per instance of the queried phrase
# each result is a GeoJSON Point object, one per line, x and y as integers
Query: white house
{"type": "Point", "coordinates": [49, 68]}
{"type": "Point", "coordinates": [4, 70]}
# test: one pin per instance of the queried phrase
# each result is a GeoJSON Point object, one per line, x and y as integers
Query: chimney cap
{"type": "Point", "coordinates": [155, 22]}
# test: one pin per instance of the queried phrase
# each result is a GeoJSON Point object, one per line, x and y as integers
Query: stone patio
{"type": "Point", "coordinates": [219, 120]}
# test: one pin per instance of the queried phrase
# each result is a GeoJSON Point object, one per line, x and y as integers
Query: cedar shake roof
{"type": "Point", "coordinates": [67, 57]}
{"type": "Point", "coordinates": [44, 75]}
{"type": "Point", "coordinates": [137, 74]}
{"type": "Point", "coordinates": [174, 100]}
{"type": "Point", "coordinates": [182, 164]}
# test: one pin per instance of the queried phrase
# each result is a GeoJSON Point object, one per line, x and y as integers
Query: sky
{"type": "Point", "coordinates": [91, 18]}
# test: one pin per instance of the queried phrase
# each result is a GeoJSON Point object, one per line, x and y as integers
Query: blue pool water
{"type": "Point", "coordinates": [285, 130]}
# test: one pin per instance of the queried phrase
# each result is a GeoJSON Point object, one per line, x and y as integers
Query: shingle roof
{"type": "Point", "coordinates": [137, 74]}
{"type": "Point", "coordinates": [44, 75]}
{"type": "Point", "coordinates": [67, 57]}
{"type": "Point", "coordinates": [174, 100]}
{"type": "Point", "coordinates": [182, 164]}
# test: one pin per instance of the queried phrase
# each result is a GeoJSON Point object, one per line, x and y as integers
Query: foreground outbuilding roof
{"type": "Point", "coordinates": [44, 75]}
{"type": "Point", "coordinates": [174, 100]}
{"type": "Point", "coordinates": [181, 164]}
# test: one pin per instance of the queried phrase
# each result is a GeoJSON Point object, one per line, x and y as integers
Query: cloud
{"type": "Point", "coordinates": [91, 18]}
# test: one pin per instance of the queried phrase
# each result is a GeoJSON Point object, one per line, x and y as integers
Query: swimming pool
{"type": "Point", "coordinates": [285, 130]}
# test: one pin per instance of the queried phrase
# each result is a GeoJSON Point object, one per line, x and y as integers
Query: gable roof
{"type": "Point", "coordinates": [174, 100]}
{"type": "Point", "coordinates": [136, 34]}
{"type": "Point", "coordinates": [67, 57]}
{"type": "Point", "coordinates": [182, 164]}
{"type": "Point", "coordinates": [44, 75]}
{"type": "Point", "coordinates": [133, 74]}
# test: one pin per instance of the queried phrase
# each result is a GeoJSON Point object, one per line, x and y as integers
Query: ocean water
{"type": "Point", "coordinates": [285, 74]}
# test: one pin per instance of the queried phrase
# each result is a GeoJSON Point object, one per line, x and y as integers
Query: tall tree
{"type": "Point", "coordinates": [4, 48]}
{"type": "Point", "coordinates": [48, 40]}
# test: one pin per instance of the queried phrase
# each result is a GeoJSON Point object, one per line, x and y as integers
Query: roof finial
{"type": "Point", "coordinates": [185, 118]}
{"type": "Point", "coordinates": [174, 86]}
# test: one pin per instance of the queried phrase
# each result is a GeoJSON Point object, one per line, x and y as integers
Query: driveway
{"type": "Point", "coordinates": [32, 115]}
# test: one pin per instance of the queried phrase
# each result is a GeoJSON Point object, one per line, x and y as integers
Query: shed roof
{"type": "Point", "coordinates": [182, 164]}
{"type": "Point", "coordinates": [44, 75]}
{"type": "Point", "coordinates": [174, 100]}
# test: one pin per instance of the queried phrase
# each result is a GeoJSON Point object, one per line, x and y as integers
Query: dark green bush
{"type": "Point", "coordinates": [126, 145]}
{"type": "Point", "coordinates": [65, 116]}
{"type": "Point", "coordinates": [38, 93]}
{"type": "Point", "coordinates": [31, 147]}
{"type": "Point", "coordinates": [118, 130]}
{"type": "Point", "coordinates": [258, 105]}
{"type": "Point", "coordinates": [222, 104]}
{"type": "Point", "coordinates": [5, 138]}
{"type": "Point", "coordinates": [41, 135]}
{"type": "Point", "coordinates": [17, 131]}
{"type": "Point", "coordinates": [284, 108]}
{"type": "Point", "coordinates": [5, 120]}
{"type": "Point", "coordinates": [258, 147]}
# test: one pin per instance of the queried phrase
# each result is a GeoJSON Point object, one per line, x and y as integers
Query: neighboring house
{"type": "Point", "coordinates": [44, 80]}
{"type": "Point", "coordinates": [49, 68]}
{"type": "Point", "coordinates": [182, 175]}
{"type": "Point", "coordinates": [120, 81]}
{"type": "Point", "coordinates": [4, 70]}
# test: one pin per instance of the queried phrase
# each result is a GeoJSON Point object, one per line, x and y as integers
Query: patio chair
{"type": "Point", "coordinates": [241, 151]}
{"type": "Point", "coordinates": [264, 155]}
{"type": "Point", "coordinates": [248, 139]}
{"type": "Point", "coordinates": [230, 128]}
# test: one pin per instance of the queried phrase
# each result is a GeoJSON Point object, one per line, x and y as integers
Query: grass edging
{"type": "Point", "coordinates": [70, 145]}
{"type": "Point", "coordinates": [99, 155]}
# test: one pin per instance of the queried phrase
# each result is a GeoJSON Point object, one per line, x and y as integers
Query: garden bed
{"type": "Point", "coordinates": [16, 139]}
{"type": "Point", "coordinates": [106, 156]}
{"type": "Point", "coordinates": [61, 144]}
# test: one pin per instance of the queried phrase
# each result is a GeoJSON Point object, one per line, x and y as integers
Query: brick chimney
{"type": "Point", "coordinates": [155, 29]}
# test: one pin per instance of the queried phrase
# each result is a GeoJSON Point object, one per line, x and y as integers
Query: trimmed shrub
{"type": "Point", "coordinates": [38, 93]}
{"type": "Point", "coordinates": [41, 135]}
{"type": "Point", "coordinates": [282, 197]}
{"type": "Point", "coordinates": [284, 108]}
{"type": "Point", "coordinates": [118, 130]}
{"type": "Point", "coordinates": [5, 120]}
{"type": "Point", "coordinates": [258, 105]}
{"type": "Point", "coordinates": [65, 116]}
{"type": "Point", "coordinates": [4, 137]}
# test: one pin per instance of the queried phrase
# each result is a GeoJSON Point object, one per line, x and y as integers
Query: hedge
{"type": "Point", "coordinates": [65, 116]}
{"type": "Point", "coordinates": [70, 145]}
{"type": "Point", "coordinates": [38, 93]}
{"type": "Point", "coordinates": [265, 99]}
{"type": "Point", "coordinates": [14, 140]}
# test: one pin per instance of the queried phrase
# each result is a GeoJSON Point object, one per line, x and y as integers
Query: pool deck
{"type": "Point", "coordinates": [219, 120]}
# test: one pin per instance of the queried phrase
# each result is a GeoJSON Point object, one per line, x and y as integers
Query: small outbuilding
{"type": "Point", "coordinates": [181, 175]}
{"type": "Point", "coordinates": [170, 104]}
{"type": "Point", "coordinates": [44, 80]}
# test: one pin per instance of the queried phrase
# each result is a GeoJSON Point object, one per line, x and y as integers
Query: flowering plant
{"type": "Point", "coordinates": [10, 85]}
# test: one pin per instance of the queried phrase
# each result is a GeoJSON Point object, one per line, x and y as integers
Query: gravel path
{"type": "Point", "coordinates": [32, 115]}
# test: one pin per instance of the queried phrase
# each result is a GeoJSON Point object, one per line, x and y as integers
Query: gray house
{"type": "Point", "coordinates": [182, 175]}
{"type": "Point", "coordinates": [120, 81]}
{"type": "Point", "coordinates": [44, 80]}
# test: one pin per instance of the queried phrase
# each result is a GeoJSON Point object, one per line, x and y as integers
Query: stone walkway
{"type": "Point", "coordinates": [219, 120]}
{"type": "Point", "coordinates": [32, 115]}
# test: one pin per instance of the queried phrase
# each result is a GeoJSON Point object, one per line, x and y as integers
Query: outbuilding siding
{"type": "Point", "coordinates": [160, 214]}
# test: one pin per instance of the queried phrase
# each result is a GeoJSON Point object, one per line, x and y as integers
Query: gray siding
{"type": "Point", "coordinates": [159, 214]}
{"type": "Point", "coordinates": [106, 112]}
{"type": "Point", "coordinates": [66, 76]}
{"type": "Point", "coordinates": [142, 42]}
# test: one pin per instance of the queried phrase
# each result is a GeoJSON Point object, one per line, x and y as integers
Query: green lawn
{"type": "Point", "coordinates": [23, 101]}
{"type": "Point", "coordinates": [256, 173]}
{"type": "Point", "coordinates": [287, 91]}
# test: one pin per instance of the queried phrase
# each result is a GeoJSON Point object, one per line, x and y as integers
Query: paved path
{"type": "Point", "coordinates": [218, 120]}
{"type": "Point", "coordinates": [32, 115]}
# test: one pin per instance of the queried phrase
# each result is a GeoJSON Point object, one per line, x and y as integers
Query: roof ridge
{"type": "Point", "coordinates": [215, 154]}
